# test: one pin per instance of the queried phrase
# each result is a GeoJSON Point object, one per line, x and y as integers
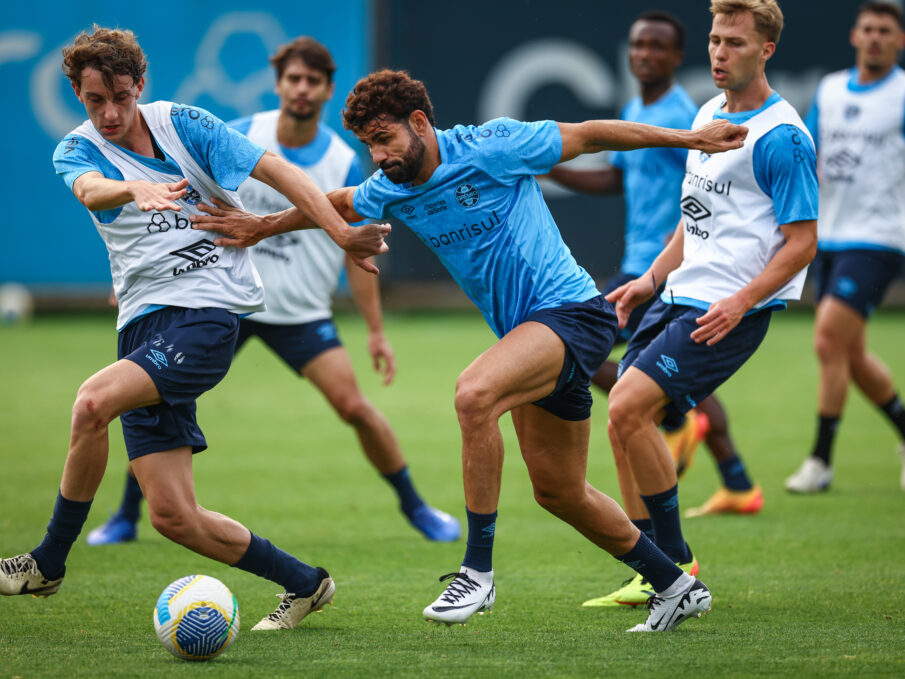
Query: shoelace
{"type": "Point", "coordinates": [19, 564]}
{"type": "Point", "coordinates": [286, 601]}
{"type": "Point", "coordinates": [461, 586]}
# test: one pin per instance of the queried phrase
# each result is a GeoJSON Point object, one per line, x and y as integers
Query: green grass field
{"type": "Point", "coordinates": [813, 586]}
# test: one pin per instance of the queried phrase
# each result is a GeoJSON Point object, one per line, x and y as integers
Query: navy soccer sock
{"type": "Point", "coordinates": [735, 476]}
{"type": "Point", "coordinates": [65, 525]}
{"type": "Point", "coordinates": [409, 500]}
{"type": "Point", "coordinates": [479, 547]}
{"type": "Point", "coordinates": [653, 565]}
{"type": "Point", "coordinates": [646, 526]}
{"type": "Point", "coordinates": [895, 411]}
{"type": "Point", "coordinates": [128, 508]}
{"type": "Point", "coordinates": [664, 514]}
{"type": "Point", "coordinates": [826, 432]}
{"type": "Point", "coordinates": [272, 563]}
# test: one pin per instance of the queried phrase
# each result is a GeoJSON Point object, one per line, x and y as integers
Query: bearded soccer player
{"type": "Point", "coordinates": [141, 171]}
{"type": "Point", "coordinates": [469, 193]}
{"type": "Point", "coordinates": [857, 120]}
{"type": "Point", "coordinates": [300, 272]}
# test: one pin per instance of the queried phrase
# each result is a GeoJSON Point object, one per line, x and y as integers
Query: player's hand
{"type": "Point", "coordinates": [361, 242]}
{"type": "Point", "coordinates": [626, 297]}
{"type": "Point", "coordinates": [719, 320]}
{"type": "Point", "coordinates": [382, 356]}
{"type": "Point", "coordinates": [150, 196]}
{"type": "Point", "coordinates": [111, 300]}
{"type": "Point", "coordinates": [718, 136]}
{"type": "Point", "coordinates": [241, 229]}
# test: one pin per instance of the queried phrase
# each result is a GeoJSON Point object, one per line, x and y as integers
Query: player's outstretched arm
{"type": "Point", "coordinates": [795, 254]}
{"type": "Point", "coordinates": [593, 136]}
{"type": "Point", "coordinates": [366, 294]}
{"type": "Point", "coordinates": [360, 242]}
{"type": "Point", "coordinates": [97, 193]}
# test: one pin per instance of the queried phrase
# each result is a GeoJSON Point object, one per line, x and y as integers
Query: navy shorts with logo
{"type": "Point", "coordinates": [588, 329]}
{"type": "Point", "coordinates": [687, 372]}
{"type": "Point", "coordinates": [858, 277]}
{"type": "Point", "coordinates": [296, 344]}
{"type": "Point", "coordinates": [634, 319]}
{"type": "Point", "coordinates": [185, 352]}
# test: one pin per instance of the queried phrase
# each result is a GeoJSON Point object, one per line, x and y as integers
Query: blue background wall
{"type": "Point", "coordinates": [210, 54]}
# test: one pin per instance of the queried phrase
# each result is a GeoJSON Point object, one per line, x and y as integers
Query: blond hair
{"type": "Point", "coordinates": [767, 14]}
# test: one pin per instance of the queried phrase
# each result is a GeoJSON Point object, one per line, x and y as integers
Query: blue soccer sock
{"type": "Point", "coordinates": [646, 526]}
{"type": "Point", "coordinates": [735, 476]}
{"type": "Point", "coordinates": [479, 547]}
{"type": "Point", "coordinates": [132, 495]}
{"type": "Point", "coordinates": [664, 514]}
{"type": "Point", "coordinates": [65, 525]}
{"type": "Point", "coordinates": [653, 565]}
{"type": "Point", "coordinates": [272, 563]}
{"type": "Point", "coordinates": [409, 500]}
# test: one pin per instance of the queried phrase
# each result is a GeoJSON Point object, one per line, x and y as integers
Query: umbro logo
{"type": "Point", "coordinates": [668, 365]}
{"type": "Point", "coordinates": [198, 254]}
{"type": "Point", "coordinates": [158, 358]}
{"type": "Point", "coordinates": [694, 209]}
{"type": "Point", "coordinates": [843, 162]}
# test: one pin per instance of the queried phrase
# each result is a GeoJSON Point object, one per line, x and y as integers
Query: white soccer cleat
{"type": "Point", "coordinates": [20, 575]}
{"type": "Point", "coordinates": [469, 592]}
{"type": "Point", "coordinates": [813, 476]}
{"type": "Point", "coordinates": [668, 613]}
{"type": "Point", "coordinates": [293, 609]}
{"type": "Point", "coordinates": [902, 455]}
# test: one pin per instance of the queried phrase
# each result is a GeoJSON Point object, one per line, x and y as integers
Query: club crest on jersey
{"type": "Point", "coordinates": [467, 195]}
{"type": "Point", "coordinates": [198, 254]}
{"type": "Point", "coordinates": [852, 111]}
{"type": "Point", "coordinates": [192, 197]}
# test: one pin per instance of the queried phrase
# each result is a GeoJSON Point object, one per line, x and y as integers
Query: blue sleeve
{"type": "Point", "coordinates": [617, 159]}
{"type": "Point", "coordinates": [369, 199]}
{"type": "Point", "coordinates": [240, 125]}
{"type": "Point", "coordinates": [812, 121]}
{"type": "Point", "coordinates": [225, 154]}
{"type": "Point", "coordinates": [355, 175]}
{"type": "Point", "coordinates": [785, 166]}
{"type": "Point", "coordinates": [509, 147]}
{"type": "Point", "coordinates": [76, 155]}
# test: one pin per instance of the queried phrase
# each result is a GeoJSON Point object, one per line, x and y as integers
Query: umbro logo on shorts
{"type": "Point", "coordinates": [668, 365]}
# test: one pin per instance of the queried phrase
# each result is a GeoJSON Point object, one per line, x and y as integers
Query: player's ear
{"type": "Point", "coordinates": [77, 90]}
{"type": "Point", "coordinates": [140, 85]}
{"type": "Point", "coordinates": [768, 50]}
{"type": "Point", "coordinates": [418, 122]}
{"type": "Point", "coordinates": [331, 89]}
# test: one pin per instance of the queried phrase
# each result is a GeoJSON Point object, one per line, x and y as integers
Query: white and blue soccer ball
{"type": "Point", "coordinates": [16, 303]}
{"type": "Point", "coordinates": [196, 617]}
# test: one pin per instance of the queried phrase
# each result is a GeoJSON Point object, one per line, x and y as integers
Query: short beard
{"type": "Point", "coordinates": [300, 116]}
{"type": "Point", "coordinates": [405, 170]}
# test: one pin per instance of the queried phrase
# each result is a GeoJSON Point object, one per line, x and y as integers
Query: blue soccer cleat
{"type": "Point", "coordinates": [435, 525]}
{"type": "Point", "coordinates": [117, 529]}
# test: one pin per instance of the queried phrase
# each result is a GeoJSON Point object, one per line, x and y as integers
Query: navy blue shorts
{"type": "Point", "coordinates": [687, 372]}
{"type": "Point", "coordinates": [858, 278]}
{"type": "Point", "coordinates": [588, 329]}
{"type": "Point", "coordinates": [186, 352]}
{"type": "Point", "coordinates": [295, 344]}
{"type": "Point", "coordinates": [634, 319]}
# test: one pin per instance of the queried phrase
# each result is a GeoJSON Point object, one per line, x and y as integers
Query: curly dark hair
{"type": "Point", "coordinates": [312, 53]}
{"type": "Point", "coordinates": [111, 51]}
{"type": "Point", "coordinates": [386, 95]}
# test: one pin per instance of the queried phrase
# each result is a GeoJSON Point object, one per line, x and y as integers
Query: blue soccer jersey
{"type": "Point", "coordinates": [484, 216]}
{"type": "Point", "coordinates": [652, 179]}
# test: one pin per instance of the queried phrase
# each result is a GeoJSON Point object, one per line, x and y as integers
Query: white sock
{"type": "Point", "coordinates": [682, 583]}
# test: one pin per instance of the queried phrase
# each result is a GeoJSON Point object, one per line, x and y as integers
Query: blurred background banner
{"type": "Point", "coordinates": [211, 54]}
{"type": "Point", "coordinates": [527, 59]}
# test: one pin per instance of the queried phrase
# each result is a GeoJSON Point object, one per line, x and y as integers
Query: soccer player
{"type": "Point", "coordinates": [856, 120]}
{"type": "Point", "coordinates": [300, 272]}
{"type": "Point", "coordinates": [648, 178]}
{"type": "Point", "coordinates": [141, 170]}
{"type": "Point", "coordinates": [748, 231]}
{"type": "Point", "coordinates": [469, 193]}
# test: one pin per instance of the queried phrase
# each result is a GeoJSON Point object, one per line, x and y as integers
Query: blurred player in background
{"type": "Point", "coordinates": [857, 122]}
{"type": "Point", "coordinates": [469, 193]}
{"type": "Point", "coordinates": [141, 171]}
{"type": "Point", "coordinates": [747, 233]}
{"type": "Point", "coordinates": [300, 271]}
{"type": "Point", "coordinates": [651, 180]}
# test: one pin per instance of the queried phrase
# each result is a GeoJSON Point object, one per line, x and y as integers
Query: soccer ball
{"type": "Point", "coordinates": [16, 304]}
{"type": "Point", "coordinates": [196, 617]}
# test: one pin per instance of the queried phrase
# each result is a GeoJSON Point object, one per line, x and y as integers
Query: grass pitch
{"type": "Point", "coordinates": [813, 586]}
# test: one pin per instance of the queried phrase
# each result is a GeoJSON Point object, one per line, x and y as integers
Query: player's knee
{"type": "Point", "coordinates": [827, 347]}
{"type": "Point", "coordinates": [622, 413]}
{"type": "Point", "coordinates": [174, 523]}
{"type": "Point", "coordinates": [353, 409]}
{"type": "Point", "coordinates": [88, 411]}
{"type": "Point", "coordinates": [473, 401]}
{"type": "Point", "coordinates": [557, 499]}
